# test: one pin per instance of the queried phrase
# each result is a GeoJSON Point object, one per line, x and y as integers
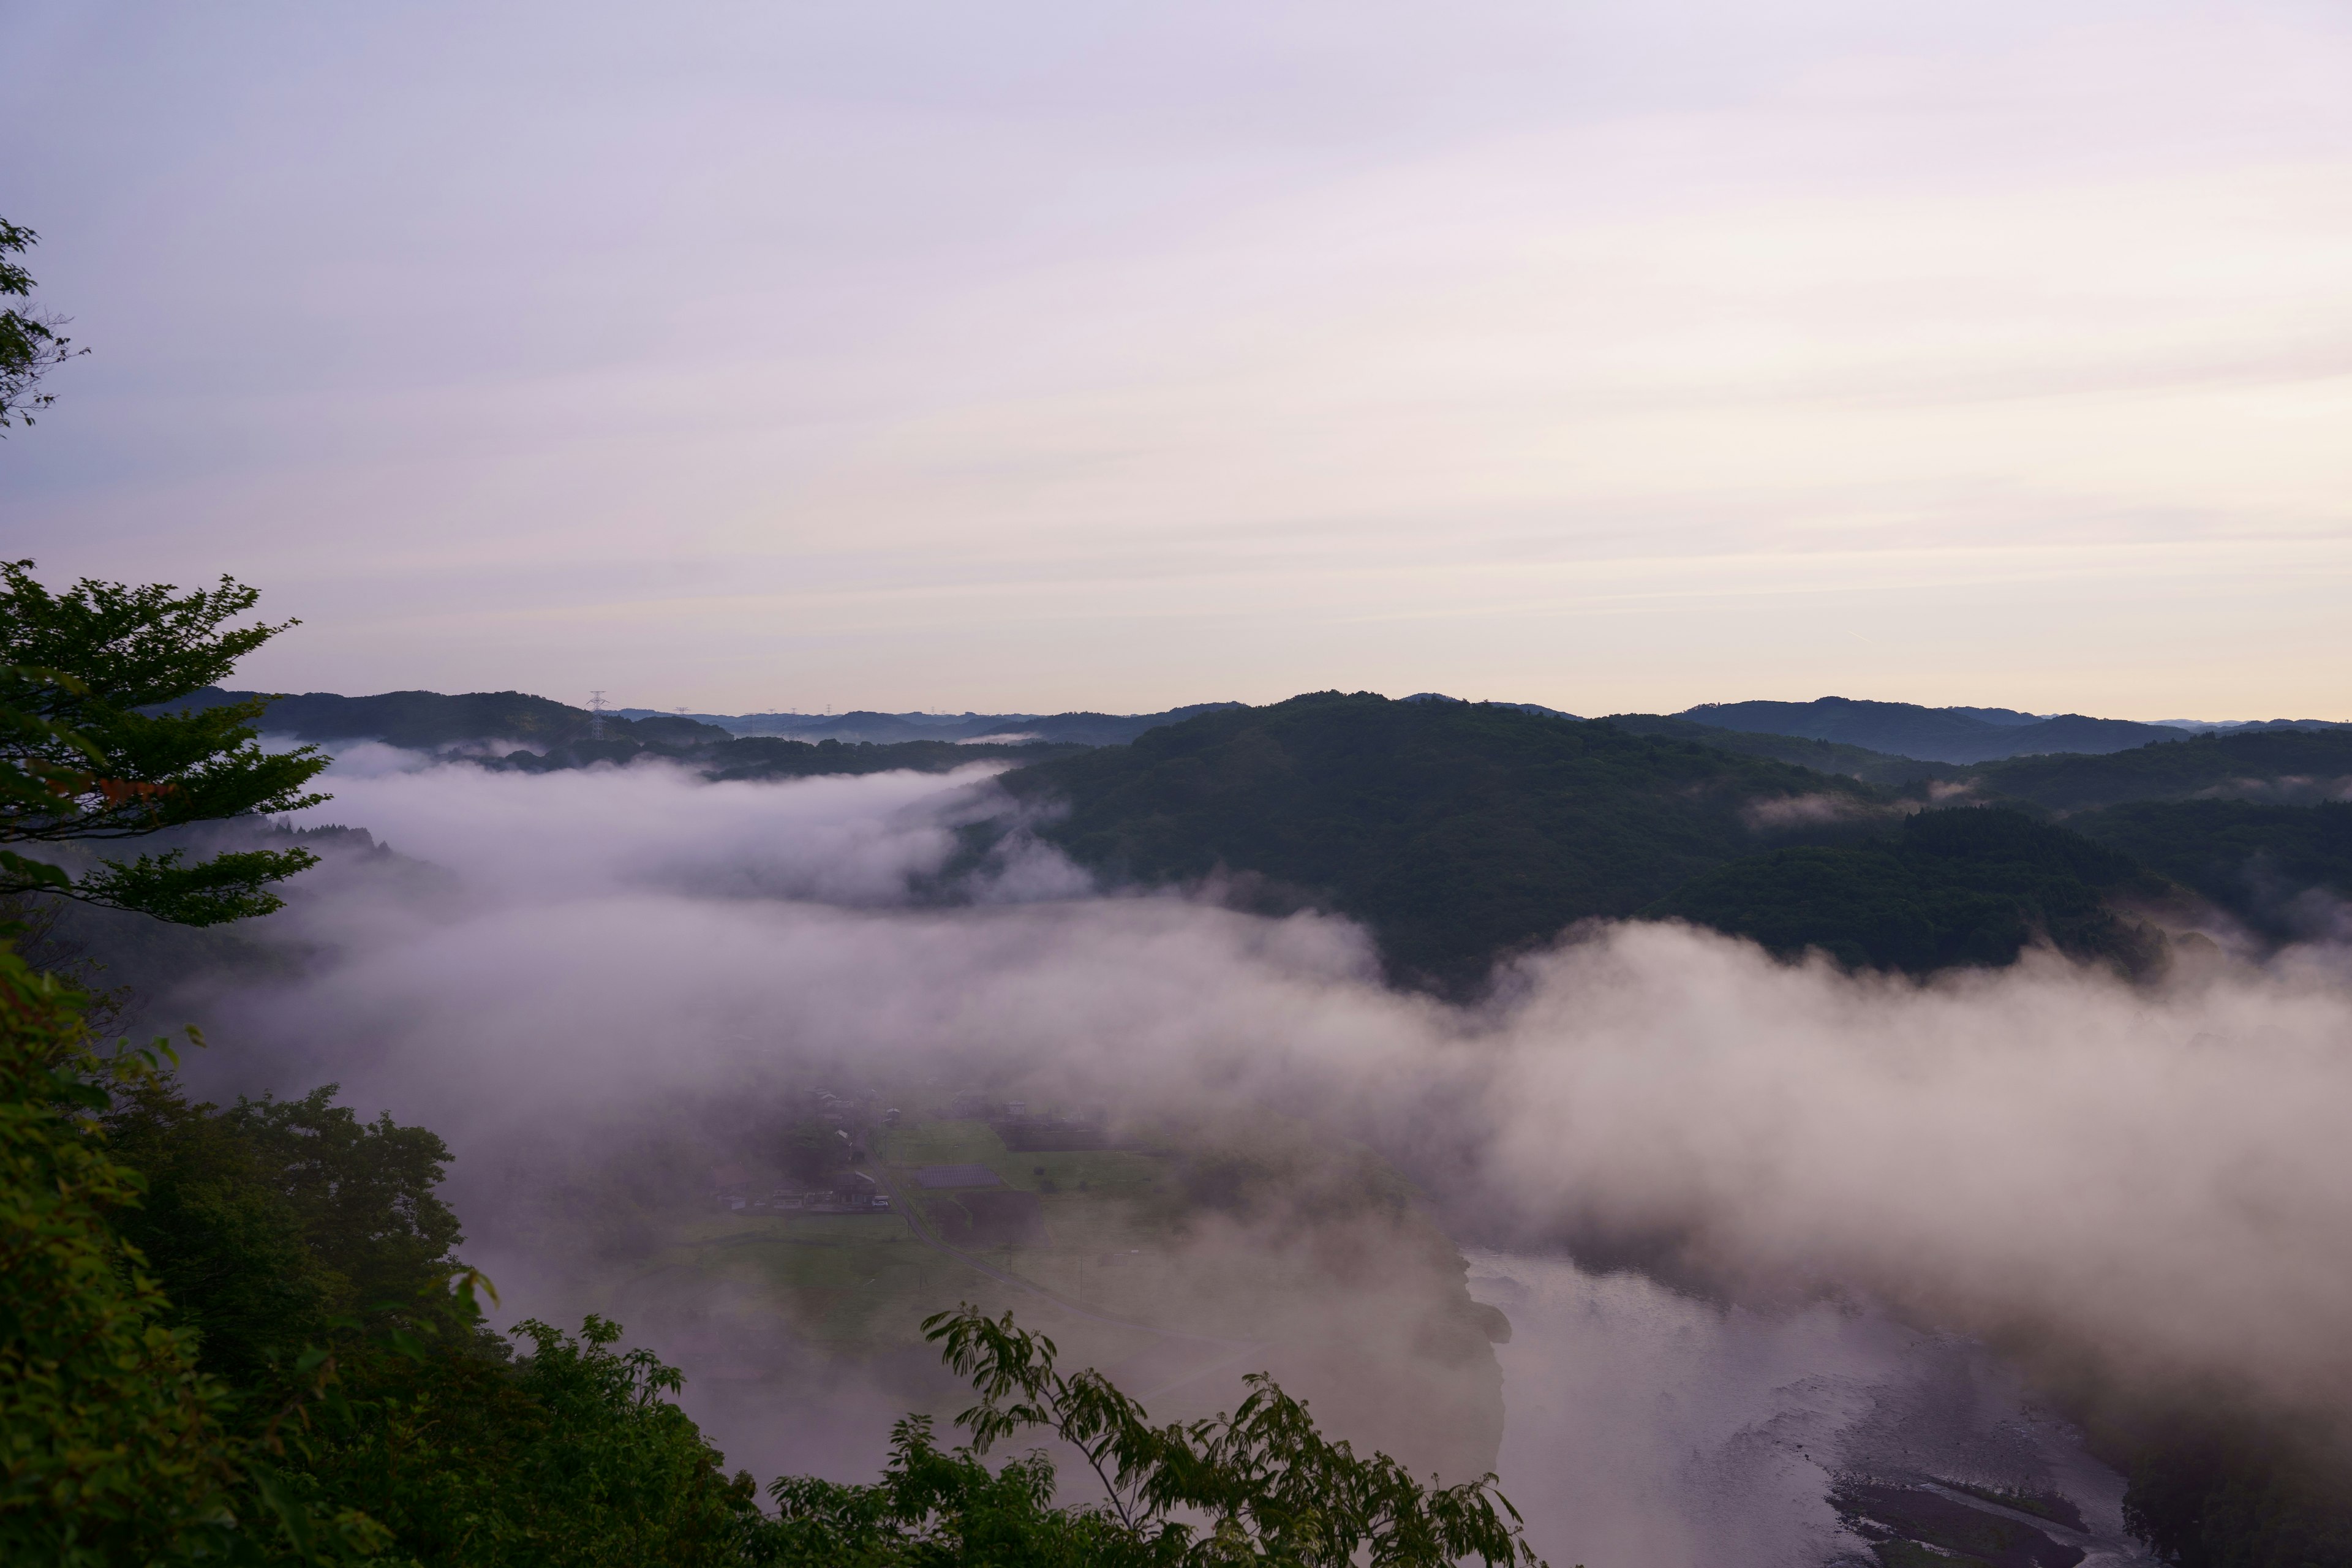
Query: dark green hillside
{"type": "Point", "coordinates": [1940, 734]}
{"type": "Point", "coordinates": [1080, 729]}
{"type": "Point", "coordinates": [2291, 766]}
{"type": "Point", "coordinates": [427, 719]}
{"type": "Point", "coordinates": [1821, 756]}
{"type": "Point", "coordinates": [560, 737]}
{"type": "Point", "coordinates": [2253, 860]}
{"type": "Point", "coordinates": [1457, 831]}
{"type": "Point", "coordinates": [2079, 732]}
{"type": "Point", "coordinates": [1966, 887]}
{"type": "Point", "coordinates": [770, 757]}
{"type": "Point", "coordinates": [1902, 729]}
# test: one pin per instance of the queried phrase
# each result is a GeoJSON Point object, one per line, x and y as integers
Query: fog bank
{"type": "Point", "coordinates": [2156, 1178]}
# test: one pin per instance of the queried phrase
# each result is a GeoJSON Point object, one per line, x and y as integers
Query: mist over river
{"type": "Point", "coordinates": [540, 965]}
{"type": "Point", "coordinates": [1642, 1425]}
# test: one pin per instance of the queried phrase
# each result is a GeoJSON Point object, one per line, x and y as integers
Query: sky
{"type": "Point", "coordinates": [1614, 356]}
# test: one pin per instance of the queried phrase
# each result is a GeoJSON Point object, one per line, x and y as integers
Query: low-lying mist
{"type": "Point", "coordinates": [2152, 1183]}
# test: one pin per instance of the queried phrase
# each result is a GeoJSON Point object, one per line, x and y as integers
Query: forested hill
{"type": "Point", "coordinates": [513, 732]}
{"type": "Point", "coordinates": [1932, 734]}
{"type": "Point", "coordinates": [426, 721]}
{"type": "Point", "coordinates": [1082, 729]}
{"type": "Point", "coordinates": [2282, 764]}
{"type": "Point", "coordinates": [2292, 766]}
{"type": "Point", "coordinates": [1456, 831]}
{"type": "Point", "coordinates": [2284, 870]}
{"type": "Point", "coordinates": [1968, 887]}
{"type": "Point", "coordinates": [1821, 756]}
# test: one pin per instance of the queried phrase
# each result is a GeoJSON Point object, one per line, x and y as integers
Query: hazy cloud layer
{"type": "Point", "coordinates": [2159, 1173]}
{"type": "Point", "coordinates": [1646, 1426]}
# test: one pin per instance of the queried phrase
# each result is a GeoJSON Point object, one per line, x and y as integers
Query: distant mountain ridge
{"type": "Point", "coordinates": [1080, 729]}
{"type": "Point", "coordinates": [2236, 726]}
{"type": "Point", "coordinates": [513, 732]}
{"type": "Point", "coordinates": [1456, 831]}
{"type": "Point", "coordinates": [2296, 767]}
{"type": "Point", "coordinates": [428, 720]}
{"type": "Point", "coordinates": [1904, 737]}
{"type": "Point", "coordinates": [1461, 831]}
{"type": "Point", "coordinates": [1961, 735]}
{"type": "Point", "coordinates": [1931, 734]}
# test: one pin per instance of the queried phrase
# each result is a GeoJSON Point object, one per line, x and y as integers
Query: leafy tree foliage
{"type": "Point", "coordinates": [2258, 861]}
{"type": "Point", "coordinates": [279, 1225]}
{"type": "Point", "coordinates": [30, 343]}
{"type": "Point", "coordinates": [575, 1455]}
{"type": "Point", "coordinates": [939, 1509]}
{"type": "Point", "coordinates": [83, 756]}
{"type": "Point", "coordinates": [228, 1336]}
{"type": "Point", "coordinates": [1262, 1485]}
{"type": "Point", "coordinates": [2212, 1487]}
{"type": "Point", "coordinates": [290, 1358]}
{"type": "Point", "coordinates": [110, 1446]}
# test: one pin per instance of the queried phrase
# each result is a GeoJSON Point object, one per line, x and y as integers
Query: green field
{"type": "Point", "coordinates": [862, 1284]}
{"type": "Point", "coordinates": [1254, 1243]}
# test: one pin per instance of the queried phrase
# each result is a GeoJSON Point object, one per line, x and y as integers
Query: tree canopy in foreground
{"type": "Point", "coordinates": [1262, 1485]}
{"type": "Point", "coordinates": [85, 757]}
{"type": "Point", "coordinates": [30, 344]}
{"type": "Point", "coordinates": [229, 1335]}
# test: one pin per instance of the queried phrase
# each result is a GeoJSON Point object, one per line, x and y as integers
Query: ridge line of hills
{"type": "Point", "coordinates": [1897, 736]}
{"type": "Point", "coordinates": [1459, 833]}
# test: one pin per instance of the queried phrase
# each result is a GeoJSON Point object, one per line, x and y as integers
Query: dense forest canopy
{"type": "Point", "coordinates": [1461, 832]}
{"type": "Point", "coordinates": [1968, 887]}
{"type": "Point", "coordinates": [1822, 755]}
{"type": "Point", "coordinates": [2292, 766]}
{"type": "Point", "coordinates": [2262, 863]}
{"type": "Point", "coordinates": [1456, 831]}
{"type": "Point", "coordinates": [429, 721]}
{"type": "Point", "coordinates": [519, 732]}
{"type": "Point", "coordinates": [1931, 734]}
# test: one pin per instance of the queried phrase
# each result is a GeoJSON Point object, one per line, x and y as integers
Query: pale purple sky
{"type": "Point", "coordinates": [1614, 356]}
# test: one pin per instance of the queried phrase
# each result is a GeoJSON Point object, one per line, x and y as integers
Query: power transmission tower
{"type": "Point", "coordinates": [596, 715]}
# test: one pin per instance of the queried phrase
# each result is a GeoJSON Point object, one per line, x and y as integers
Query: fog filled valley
{"type": "Point", "coordinates": [1375, 787]}
{"type": "Point", "coordinates": [1749, 1162]}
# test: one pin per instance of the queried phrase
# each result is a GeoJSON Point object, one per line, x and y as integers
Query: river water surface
{"type": "Point", "coordinates": [1645, 1428]}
